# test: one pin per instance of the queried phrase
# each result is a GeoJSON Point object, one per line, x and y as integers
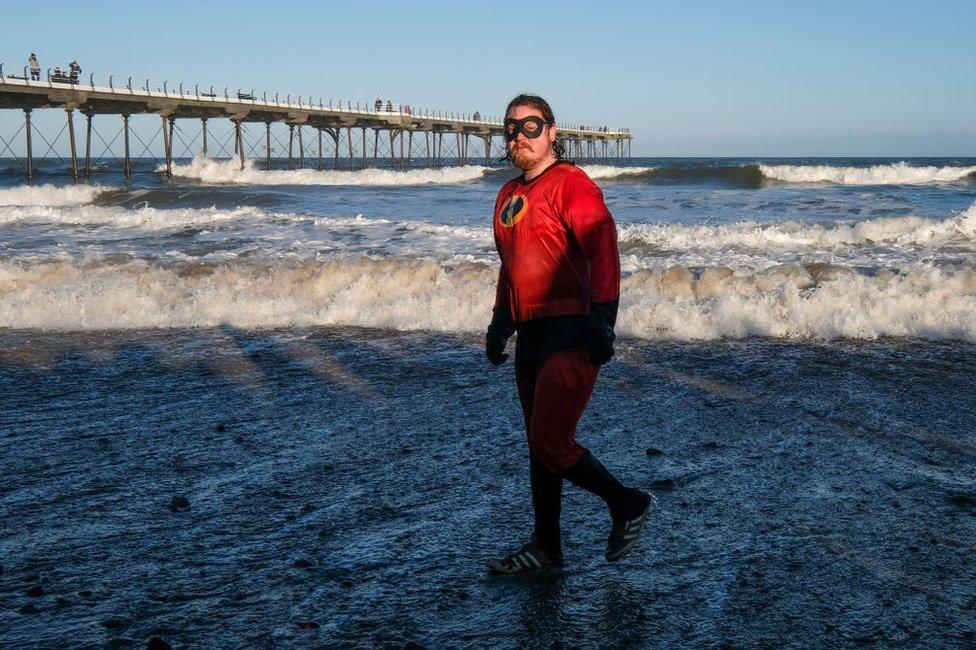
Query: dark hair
{"type": "Point", "coordinates": [541, 105]}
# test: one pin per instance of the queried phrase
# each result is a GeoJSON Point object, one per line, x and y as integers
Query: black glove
{"type": "Point", "coordinates": [599, 331]}
{"type": "Point", "coordinates": [497, 335]}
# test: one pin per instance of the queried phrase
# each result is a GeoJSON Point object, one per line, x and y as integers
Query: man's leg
{"type": "Point", "coordinates": [543, 551]}
{"type": "Point", "coordinates": [547, 486]}
{"type": "Point", "coordinates": [563, 387]}
{"type": "Point", "coordinates": [547, 496]}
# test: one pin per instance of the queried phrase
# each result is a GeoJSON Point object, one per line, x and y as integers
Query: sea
{"type": "Point", "coordinates": [250, 408]}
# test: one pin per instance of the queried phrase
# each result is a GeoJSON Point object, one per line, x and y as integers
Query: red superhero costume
{"type": "Point", "coordinates": [557, 243]}
{"type": "Point", "coordinates": [558, 287]}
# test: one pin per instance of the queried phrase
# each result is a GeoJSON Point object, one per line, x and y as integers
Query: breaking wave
{"type": "Point", "coordinates": [816, 301]}
{"type": "Point", "coordinates": [51, 195]}
{"type": "Point", "coordinates": [606, 172]}
{"type": "Point", "coordinates": [229, 171]}
{"type": "Point", "coordinates": [145, 218]}
{"type": "Point", "coordinates": [905, 232]}
{"type": "Point", "coordinates": [897, 236]}
{"type": "Point", "coordinates": [894, 174]}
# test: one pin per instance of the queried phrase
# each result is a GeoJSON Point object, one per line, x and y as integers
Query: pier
{"type": "Point", "coordinates": [349, 133]}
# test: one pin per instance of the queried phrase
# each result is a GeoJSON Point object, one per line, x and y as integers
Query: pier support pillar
{"type": "Point", "coordinates": [320, 148]}
{"type": "Point", "coordinates": [301, 148]}
{"type": "Point", "coordinates": [71, 141]}
{"type": "Point", "coordinates": [335, 141]}
{"type": "Point", "coordinates": [291, 137]}
{"type": "Point", "coordinates": [427, 147]}
{"type": "Point", "coordinates": [88, 132]}
{"type": "Point", "coordinates": [203, 130]}
{"type": "Point", "coordinates": [376, 145]}
{"type": "Point", "coordinates": [363, 162]}
{"type": "Point", "coordinates": [352, 166]}
{"type": "Point", "coordinates": [167, 144]}
{"type": "Point", "coordinates": [126, 163]}
{"type": "Point", "coordinates": [267, 144]}
{"type": "Point", "coordinates": [30, 149]}
{"type": "Point", "coordinates": [239, 142]}
{"type": "Point", "coordinates": [392, 150]}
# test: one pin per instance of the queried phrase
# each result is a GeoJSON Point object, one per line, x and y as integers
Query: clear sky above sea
{"type": "Point", "coordinates": [690, 78]}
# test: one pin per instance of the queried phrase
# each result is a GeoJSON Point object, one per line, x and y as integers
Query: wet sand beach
{"type": "Point", "coordinates": [341, 487]}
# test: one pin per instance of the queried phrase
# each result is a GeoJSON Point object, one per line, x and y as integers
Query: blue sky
{"type": "Point", "coordinates": [689, 78]}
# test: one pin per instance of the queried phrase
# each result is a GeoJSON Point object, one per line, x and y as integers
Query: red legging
{"type": "Point", "coordinates": [553, 401]}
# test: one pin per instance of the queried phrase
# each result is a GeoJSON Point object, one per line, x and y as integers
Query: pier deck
{"type": "Point", "coordinates": [329, 118]}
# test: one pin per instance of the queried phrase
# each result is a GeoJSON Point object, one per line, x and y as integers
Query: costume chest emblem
{"type": "Point", "coordinates": [514, 210]}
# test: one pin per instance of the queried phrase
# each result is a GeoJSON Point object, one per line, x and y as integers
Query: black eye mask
{"type": "Point", "coordinates": [531, 127]}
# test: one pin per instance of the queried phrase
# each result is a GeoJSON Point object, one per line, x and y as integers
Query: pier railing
{"type": "Point", "coordinates": [128, 85]}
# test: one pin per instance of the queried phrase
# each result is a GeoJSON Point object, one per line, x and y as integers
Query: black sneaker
{"type": "Point", "coordinates": [529, 559]}
{"type": "Point", "coordinates": [625, 531]}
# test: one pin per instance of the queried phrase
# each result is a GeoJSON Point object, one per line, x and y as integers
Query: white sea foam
{"type": "Point", "coordinates": [796, 302]}
{"type": "Point", "coordinates": [144, 218]}
{"type": "Point", "coordinates": [906, 232]}
{"type": "Point", "coordinates": [793, 302]}
{"type": "Point", "coordinates": [229, 171]}
{"type": "Point", "coordinates": [895, 174]}
{"type": "Point", "coordinates": [51, 195]}
{"type": "Point", "coordinates": [601, 172]}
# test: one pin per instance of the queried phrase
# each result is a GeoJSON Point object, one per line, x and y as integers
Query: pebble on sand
{"type": "Point", "coordinates": [158, 643]}
{"type": "Point", "coordinates": [651, 451]}
{"type": "Point", "coordinates": [114, 623]}
{"type": "Point", "coordinates": [178, 503]}
{"type": "Point", "coordinates": [302, 563]}
{"type": "Point", "coordinates": [307, 625]}
{"type": "Point", "coordinates": [35, 591]}
{"type": "Point", "coordinates": [963, 499]}
{"type": "Point", "coordinates": [29, 608]}
{"type": "Point", "coordinates": [664, 484]}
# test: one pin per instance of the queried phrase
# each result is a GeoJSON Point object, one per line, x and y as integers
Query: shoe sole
{"type": "Point", "coordinates": [625, 551]}
{"type": "Point", "coordinates": [535, 571]}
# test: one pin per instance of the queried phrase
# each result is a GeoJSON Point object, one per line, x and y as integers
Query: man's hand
{"type": "Point", "coordinates": [495, 348]}
{"type": "Point", "coordinates": [599, 331]}
{"type": "Point", "coordinates": [498, 332]}
{"type": "Point", "coordinates": [599, 344]}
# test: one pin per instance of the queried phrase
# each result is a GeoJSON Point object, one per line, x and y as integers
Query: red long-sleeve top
{"type": "Point", "coordinates": [558, 246]}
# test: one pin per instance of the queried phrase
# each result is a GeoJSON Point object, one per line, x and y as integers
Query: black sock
{"type": "Point", "coordinates": [547, 494]}
{"type": "Point", "coordinates": [593, 477]}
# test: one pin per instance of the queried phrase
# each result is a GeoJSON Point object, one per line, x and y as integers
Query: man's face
{"type": "Point", "coordinates": [526, 152]}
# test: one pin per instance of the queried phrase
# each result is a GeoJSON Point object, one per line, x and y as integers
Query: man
{"type": "Point", "coordinates": [35, 67]}
{"type": "Point", "coordinates": [558, 288]}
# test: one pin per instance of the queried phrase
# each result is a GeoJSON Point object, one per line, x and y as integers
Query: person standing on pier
{"type": "Point", "coordinates": [75, 70]}
{"type": "Point", "coordinates": [558, 288]}
{"type": "Point", "coordinates": [35, 67]}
